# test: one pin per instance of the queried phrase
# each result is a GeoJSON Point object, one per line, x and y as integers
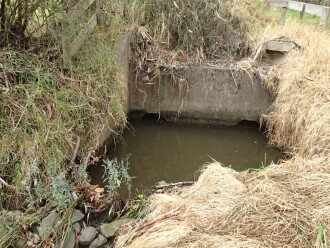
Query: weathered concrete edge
{"type": "Point", "coordinates": [223, 95]}
{"type": "Point", "coordinates": [122, 55]}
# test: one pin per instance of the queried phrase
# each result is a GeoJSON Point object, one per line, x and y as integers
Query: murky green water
{"type": "Point", "coordinates": [174, 152]}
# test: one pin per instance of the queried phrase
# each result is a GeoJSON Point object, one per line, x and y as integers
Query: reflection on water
{"type": "Point", "coordinates": [174, 152]}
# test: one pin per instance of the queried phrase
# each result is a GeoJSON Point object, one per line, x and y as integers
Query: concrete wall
{"type": "Point", "coordinates": [122, 56]}
{"type": "Point", "coordinates": [201, 94]}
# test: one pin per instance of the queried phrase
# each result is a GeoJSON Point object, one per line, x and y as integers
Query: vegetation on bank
{"type": "Point", "coordinates": [50, 118]}
{"type": "Point", "coordinates": [169, 34]}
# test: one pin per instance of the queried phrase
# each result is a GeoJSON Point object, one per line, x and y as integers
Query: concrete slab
{"type": "Point", "coordinates": [280, 46]}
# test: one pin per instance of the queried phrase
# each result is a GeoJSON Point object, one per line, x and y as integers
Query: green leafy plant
{"type": "Point", "coordinates": [116, 173]}
{"type": "Point", "coordinates": [138, 206]}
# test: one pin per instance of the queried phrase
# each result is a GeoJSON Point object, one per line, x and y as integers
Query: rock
{"type": "Point", "coordinates": [48, 223]}
{"type": "Point", "coordinates": [109, 229]}
{"type": "Point", "coordinates": [99, 241]}
{"type": "Point", "coordinates": [71, 240]}
{"type": "Point", "coordinates": [29, 243]}
{"type": "Point", "coordinates": [87, 235]}
{"type": "Point", "coordinates": [36, 239]}
{"type": "Point", "coordinates": [21, 242]}
{"type": "Point", "coordinates": [76, 216]}
{"type": "Point", "coordinates": [161, 183]}
{"type": "Point", "coordinates": [76, 227]}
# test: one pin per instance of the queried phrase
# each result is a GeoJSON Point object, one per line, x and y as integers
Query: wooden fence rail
{"type": "Point", "coordinates": [316, 10]}
{"type": "Point", "coordinates": [70, 47]}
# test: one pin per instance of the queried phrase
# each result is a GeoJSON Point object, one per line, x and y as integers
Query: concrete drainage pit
{"type": "Point", "coordinates": [181, 120]}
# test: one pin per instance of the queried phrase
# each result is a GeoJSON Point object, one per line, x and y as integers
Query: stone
{"type": "Point", "coordinates": [99, 241]}
{"type": "Point", "coordinates": [36, 239]}
{"type": "Point", "coordinates": [21, 242]}
{"type": "Point", "coordinates": [71, 240]}
{"type": "Point", "coordinates": [29, 243]}
{"type": "Point", "coordinates": [48, 223]}
{"type": "Point", "coordinates": [109, 229]}
{"type": "Point", "coordinates": [77, 215]}
{"type": "Point", "coordinates": [161, 184]}
{"type": "Point", "coordinates": [87, 236]}
{"type": "Point", "coordinates": [76, 227]}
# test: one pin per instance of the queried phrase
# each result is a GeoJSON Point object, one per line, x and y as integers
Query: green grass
{"type": "Point", "coordinates": [275, 14]}
{"type": "Point", "coordinates": [321, 239]}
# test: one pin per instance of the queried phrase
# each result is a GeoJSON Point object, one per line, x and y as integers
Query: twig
{"type": "Point", "coordinates": [232, 74]}
{"type": "Point", "coordinates": [76, 149]}
{"type": "Point", "coordinates": [6, 79]}
{"type": "Point", "coordinates": [139, 229]}
{"type": "Point", "coordinates": [170, 185]}
{"type": "Point", "coordinates": [172, 213]}
{"type": "Point", "coordinates": [4, 182]}
{"type": "Point", "coordinates": [260, 47]}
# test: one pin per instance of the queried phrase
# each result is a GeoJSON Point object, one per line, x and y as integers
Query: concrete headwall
{"type": "Point", "coordinates": [201, 94]}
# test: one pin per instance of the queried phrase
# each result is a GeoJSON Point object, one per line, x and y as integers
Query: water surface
{"type": "Point", "coordinates": [174, 152]}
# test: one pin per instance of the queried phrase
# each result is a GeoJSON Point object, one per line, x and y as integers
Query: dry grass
{"type": "Point", "coordinates": [278, 207]}
{"type": "Point", "coordinates": [299, 121]}
{"type": "Point", "coordinates": [284, 205]}
{"type": "Point", "coordinates": [173, 33]}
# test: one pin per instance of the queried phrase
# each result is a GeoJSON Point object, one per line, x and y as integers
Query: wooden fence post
{"type": "Point", "coordinates": [282, 18]}
{"type": "Point", "coordinates": [302, 12]}
{"type": "Point", "coordinates": [69, 46]}
{"type": "Point", "coordinates": [99, 15]}
{"type": "Point", "coordinates": [66, 48]}
{"type": "Point", "coordinates": [324, 17]}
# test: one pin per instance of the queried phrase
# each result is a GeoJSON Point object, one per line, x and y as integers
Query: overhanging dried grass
{"type": "Point", "coordinates": [209, 28]}
{"type": "Point", "coordinates": [192, 31]}
{"type": "Point", "coordinates": [299, 120]}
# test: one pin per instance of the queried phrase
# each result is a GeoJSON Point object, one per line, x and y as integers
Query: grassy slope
{"type": "Point", "coordinates": [43, 115]}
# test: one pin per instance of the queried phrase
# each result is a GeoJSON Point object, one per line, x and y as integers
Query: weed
{"type": "Point", "coordinates": [321, 239]}
{"type": "Point", "coordinates": [138, 206]}
{"type": "Point", "coordinates": [116, 174]}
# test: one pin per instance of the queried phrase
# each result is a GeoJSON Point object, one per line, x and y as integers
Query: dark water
{"type": "Point", "coordinates": [174, 152]}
